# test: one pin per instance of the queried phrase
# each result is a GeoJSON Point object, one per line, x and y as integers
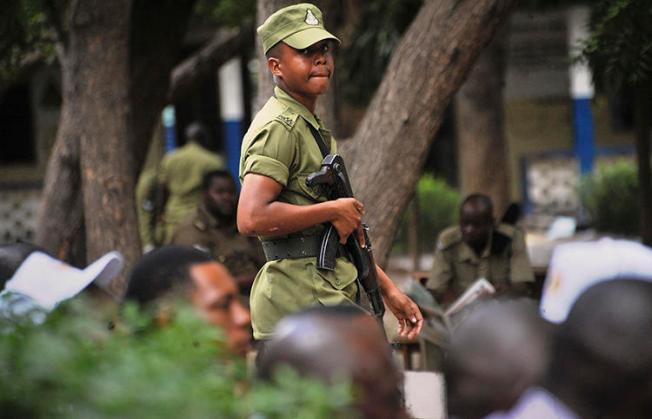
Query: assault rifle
{"type": "Point", "coordinates": [334, 178]}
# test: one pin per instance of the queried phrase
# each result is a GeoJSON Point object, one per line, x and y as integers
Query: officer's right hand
{"type": "Point", "coordinates": [347, 216]}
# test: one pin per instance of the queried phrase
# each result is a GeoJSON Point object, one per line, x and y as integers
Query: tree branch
{"type": "Point", "coordinates": [225, 45]}
{"type": "Point", "coordinates": [53, 14]}
{"type": "Point", "coordinates": [427, 67]}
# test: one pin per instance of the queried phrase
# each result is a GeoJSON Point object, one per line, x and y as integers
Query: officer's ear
{"type": "Point", "coordinates": [273, 64]}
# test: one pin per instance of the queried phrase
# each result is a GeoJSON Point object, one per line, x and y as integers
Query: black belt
{"type": "Point", "coordinates": [294, 248]}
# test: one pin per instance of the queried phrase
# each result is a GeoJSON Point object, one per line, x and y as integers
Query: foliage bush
{"type": "Point", "coordinates": [610, 197]}
{"type": "Point", "coordinates": [73, 366]}
{"type": "Point", "coordinates": [438, 209]}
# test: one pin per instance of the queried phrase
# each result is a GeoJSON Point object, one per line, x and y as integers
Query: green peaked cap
{"type": "Point", "coordinates": [299, 26]}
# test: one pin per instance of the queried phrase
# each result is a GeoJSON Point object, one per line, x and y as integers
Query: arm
{"type": "Point", "coordinates": [259, 213]}
{"type": "Point", "coordinates": [440, 277]}
{"type": "Point", "coordinates": [161, 193]}
{"type": "Point", "coordinates": [160, 201]}
{"type": "Point", "coordinates": [410, 319]}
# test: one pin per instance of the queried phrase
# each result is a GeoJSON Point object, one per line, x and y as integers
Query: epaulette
{"type": "Point", "coordinates": [287, 118]}
{"type": "Point", "coordinates": [200, 225]}
{"type": "Point", "coordinates": [449, 237]}
{"type": "Point", "coordinates": [506, 229]}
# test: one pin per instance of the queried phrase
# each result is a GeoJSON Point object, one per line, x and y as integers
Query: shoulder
{"type": "Point", "coordinates": [506, 230]}
{"type": "Point", "coordinates": [191, 226]}
{"type": "Point", "coordinates": [503, 237]}
{"type": "Point", "coordinates": [287, 118]}
{"type": "Point", "coordinates": [273, 114]}
{"type": "Point", "coordinates": [448, 238]}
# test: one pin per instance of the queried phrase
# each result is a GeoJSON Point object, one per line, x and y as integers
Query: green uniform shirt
{"type": "Point", "coordinates": [456, 266]}
{"type": "Point", "coordinates": [182, 172]}
{"type": "Point", "coordinates": [240, 254]}
{"type": "Point", "coordinates": [280, 145]}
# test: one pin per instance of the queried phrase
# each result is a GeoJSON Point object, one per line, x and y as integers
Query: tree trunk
{"type": "Point", "coordinates": [60, 219]}
{"type": "Point", "coordinates": [483, 164]}
{"type": "Point", "coordinates": [99, 53]}
{"type": "Point", "coordinates": [151, 48]}
{"type": "Point", "coordinates": [427, 67]}
{"type": "Point", "coordinates": [225, 45]}
{"type": "Point", "coordinates": [642, 116]}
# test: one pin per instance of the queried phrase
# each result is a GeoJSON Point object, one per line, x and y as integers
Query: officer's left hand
{"type": "Point", "coordinates": [410, 319]}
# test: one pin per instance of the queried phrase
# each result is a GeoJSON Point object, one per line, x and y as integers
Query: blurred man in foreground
{"type": "Point", "coordinates": [498, 351]}
{"type": "Point", "coordinates": [479, 248]}
{"type": "Point", "coordinates": [338, 342]}
{"type": "Point", "coordinates": [601, 360]}
{"type": "Point", "coordinates": [208, 285]}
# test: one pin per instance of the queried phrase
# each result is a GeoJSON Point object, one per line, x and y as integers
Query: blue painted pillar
{"type": "Point", "coordinates": [581, 89]}
{"type": "Point", "coordinates": [232, 109]}
{"type": "Point", "coordinates": [169, 125]}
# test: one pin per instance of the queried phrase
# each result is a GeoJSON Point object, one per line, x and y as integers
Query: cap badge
{"type": "Point", "coordinates": [311, 19]}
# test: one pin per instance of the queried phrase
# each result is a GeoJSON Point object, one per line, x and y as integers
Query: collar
{"type": "Point", "coordinates": [193, 144]}
{"type": "Point", "coordinates": [210, 220]}
{"type": "Point", "coordinates": [466, 253]}
{"type": "Point", "coordinates": [294, 106]}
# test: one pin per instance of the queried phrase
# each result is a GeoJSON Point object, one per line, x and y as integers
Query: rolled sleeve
{"type": "Point", "coordinates": [267, 166]}
{"type": "Point", "coordinates": [270, 153]}
{"type": "Point", "coordinates": [441, 273]}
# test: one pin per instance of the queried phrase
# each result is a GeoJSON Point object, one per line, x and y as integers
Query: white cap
{"type": "Point", "coordinates": [575, 267]}
{"type": "Point", "coordinates": [50, 281]}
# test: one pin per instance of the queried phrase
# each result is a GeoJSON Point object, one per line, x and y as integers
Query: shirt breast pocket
{"type": "Point", "coordinates": [500, 272]}
{"type": "Point", "coordinates": [316, 193]}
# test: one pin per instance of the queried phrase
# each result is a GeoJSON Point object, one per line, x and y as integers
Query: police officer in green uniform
{"type": "Point", "coordinates": [479, 248]}
{"type": "Point", "coordinates": [180, 177]}
{"type": "Point", "coordinates": [212, 229]}
{"type": "Point", "coordinates": [278, 152]}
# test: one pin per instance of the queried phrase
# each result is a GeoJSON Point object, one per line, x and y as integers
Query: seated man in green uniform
{"type": "Point", "coordinates": [180, 177]}
{"type": "Point", "coordinates": [279, 151]}
{"type": "Point", "coordinates": [212, 229]}
{"type": "Point", "coordinates": [479, 248]}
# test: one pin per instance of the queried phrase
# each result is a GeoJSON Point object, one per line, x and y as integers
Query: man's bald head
{"type": "Point", "coordinates": [338, 342]}
{"type": "Point", "coordinates": [476, 220]}
{"type": "Point", "coordinates": [602, 353]}
{"type": "Point", "coordinates": [496, 352]}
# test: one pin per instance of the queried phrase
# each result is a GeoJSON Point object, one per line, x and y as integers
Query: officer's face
{"type": "Point", "coordinates": [215, 295]}
{"type": "Point", "coordinates": [220, 197]}
{"type": "Point", "coordinates": [475, 223]}
{"type": "Point", "coordinates": [304, 73]}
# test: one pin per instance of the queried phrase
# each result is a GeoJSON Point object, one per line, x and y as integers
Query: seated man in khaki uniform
{"type": "Point", "coordinates": [212, 229]}
{"type": "Point", "coordinates": [479, 248]}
